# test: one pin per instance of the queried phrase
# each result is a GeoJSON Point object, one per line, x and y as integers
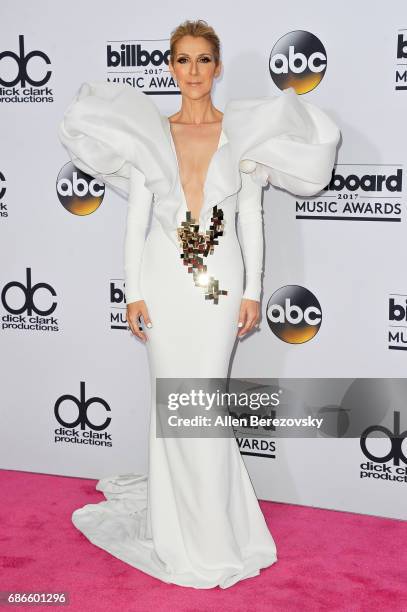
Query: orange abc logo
{"type": "Point", "coordinates": [78, 192]}
{"type": "Point", "coordinates": [294, 314]}
{"type": "Point", "coordinates": [298, 60]}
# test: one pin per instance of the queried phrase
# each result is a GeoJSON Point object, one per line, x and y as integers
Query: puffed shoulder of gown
{"type": "Point", "coordinates": [283, 140]}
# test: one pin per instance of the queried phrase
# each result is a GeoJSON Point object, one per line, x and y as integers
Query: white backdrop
{"type": "Point", "coordinates": [354, 268]}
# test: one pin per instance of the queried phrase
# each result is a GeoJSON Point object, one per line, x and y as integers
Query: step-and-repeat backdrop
{"type": "Point", "coordinates": [75, 392]}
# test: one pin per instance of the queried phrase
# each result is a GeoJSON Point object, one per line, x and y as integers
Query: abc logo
{"type": "Point", "coordinates": [294, 314]}
{"type": "Point", "coordinates": [78, 192]}
{"type": "Point", "coordinates": [298, 60]}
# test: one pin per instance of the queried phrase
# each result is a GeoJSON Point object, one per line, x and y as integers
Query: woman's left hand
{"type": "Point", "coordinates": [249, 316]}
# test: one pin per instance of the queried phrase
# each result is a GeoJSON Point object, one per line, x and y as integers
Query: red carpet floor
{"type": "Point", "coordinates": [328, 560]}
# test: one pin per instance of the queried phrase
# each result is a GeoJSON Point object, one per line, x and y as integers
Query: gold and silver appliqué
{"type": "Point", "coordinates": [196, 246]}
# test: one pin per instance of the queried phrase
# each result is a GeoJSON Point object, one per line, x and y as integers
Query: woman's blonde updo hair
{"type": "Point", "coordinates": [196, 28]}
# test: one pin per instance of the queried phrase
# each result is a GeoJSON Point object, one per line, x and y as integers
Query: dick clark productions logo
{"type": "Point", "coordinates": [396, 440]}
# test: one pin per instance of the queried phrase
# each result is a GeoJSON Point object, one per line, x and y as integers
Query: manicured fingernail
{"type": "Point", "coordinates": [240, 324]}
{"type": "Point", "coordinates": [149, 325]}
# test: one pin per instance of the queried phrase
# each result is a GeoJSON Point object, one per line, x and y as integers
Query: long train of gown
{"type": "Point", "coordinates": [194, 519]}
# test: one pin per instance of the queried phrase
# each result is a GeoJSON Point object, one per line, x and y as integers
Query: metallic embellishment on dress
{"type": "Point", "coordinates": [196, 246]}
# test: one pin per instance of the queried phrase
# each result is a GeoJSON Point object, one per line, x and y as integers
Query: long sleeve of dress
{"type": "Point", "coordinates": [250, 224]}
{"type": "Point", "coordinates": [138, 213]}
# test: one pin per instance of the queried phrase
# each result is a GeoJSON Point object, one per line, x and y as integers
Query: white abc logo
{"type": "Point", "coordinates": [293, 314]}
{"type": "Point", "coordinates": [297, 62]}
{"type": "Point", "coordinates": [80, 187]}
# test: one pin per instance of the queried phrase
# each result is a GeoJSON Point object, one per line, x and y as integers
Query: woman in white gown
{"type": "Point", "coordinates": [194, 519]}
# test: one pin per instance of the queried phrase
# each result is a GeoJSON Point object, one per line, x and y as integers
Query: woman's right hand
{"type": "Point", "coordinates": [133, 312]}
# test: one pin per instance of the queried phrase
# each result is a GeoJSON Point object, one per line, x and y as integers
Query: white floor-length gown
{"type": "Point", "coordinates": [194, 519]}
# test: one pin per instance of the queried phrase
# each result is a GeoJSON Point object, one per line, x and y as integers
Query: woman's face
{"type": "Point", "coordinates": [194, 66]}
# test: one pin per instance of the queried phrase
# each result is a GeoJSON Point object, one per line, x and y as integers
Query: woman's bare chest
{"type": "Point", "coordinates": [195, 147]}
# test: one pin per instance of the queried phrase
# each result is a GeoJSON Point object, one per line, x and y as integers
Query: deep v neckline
{"type": "Point", "coordinates": [173, 147]}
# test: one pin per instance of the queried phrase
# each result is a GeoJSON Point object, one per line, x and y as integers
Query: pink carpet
{"type": "Point", "coordinates": [328, 560]}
